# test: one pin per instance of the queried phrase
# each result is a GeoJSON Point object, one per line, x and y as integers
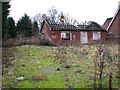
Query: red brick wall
{"type": "Point", "coordinates": [77, 37]}
{"type": "Point", "coordinates": [103, 36]}
{"type": "Point", "coordinates": [115, 29]}
{"type": "Point", "coordinates": [56, 38]}
{"type": "Point", "coordinates": [114, 25]}
{"type": "Point", "coordinates": [47, 32]}
{"type": "Point", "coordinates": [90, 36]}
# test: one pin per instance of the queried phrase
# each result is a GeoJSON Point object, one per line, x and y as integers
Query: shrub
{"type": "Point", "coordinates": [45, 42]}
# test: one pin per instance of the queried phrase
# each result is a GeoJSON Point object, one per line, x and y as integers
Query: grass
{"type": "Point", "coordinates": [61, 67]}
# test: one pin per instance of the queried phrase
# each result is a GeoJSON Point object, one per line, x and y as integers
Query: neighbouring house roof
{"type": "Point", "coordinates": [91, 26]}
{"type": "Point", "coordinates": [106, 23]}
{"type": "Point", "coordinates": [113, 18]}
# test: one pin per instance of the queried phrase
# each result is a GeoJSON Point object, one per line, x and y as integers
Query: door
{"type": "Point", "coordinates": [43, 35]}
{"type": "Point", "coordinates": [84, 38]}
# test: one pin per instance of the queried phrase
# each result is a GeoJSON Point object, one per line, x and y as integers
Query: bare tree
{"type": "Point", "coordinates": [70, 20]}
{"type": "Point", "coordinates": [52, 12]}
{"type": "Point", "coordinates": [54, 15]}
{"type": "Point", "coordinates": [105, 59]}
{"type": "Point", "coordinates": [39, 18]}
{"type": "Point", "coordinates": [51, 15]}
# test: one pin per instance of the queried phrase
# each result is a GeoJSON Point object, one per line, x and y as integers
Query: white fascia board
{"type": "Point", "coordinates": [113, 18]}
{"type": "Point", "coordinates": [48, 24]}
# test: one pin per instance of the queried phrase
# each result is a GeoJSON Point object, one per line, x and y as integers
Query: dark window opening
{"type": "Point", "coordinates": [66, 36]}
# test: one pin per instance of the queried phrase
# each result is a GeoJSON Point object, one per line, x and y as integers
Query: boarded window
{"type": "Point", "coordinates": [84, 38]}
{"type": "Point", "coordinates": [66, 36]}
{"type": "Point", "coordinates": [96, 35]}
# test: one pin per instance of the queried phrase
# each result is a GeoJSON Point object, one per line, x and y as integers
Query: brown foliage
{"type": "Point", "coordinates": [20, 41]}
{"type": "Point", "coordinates": [39, 77]}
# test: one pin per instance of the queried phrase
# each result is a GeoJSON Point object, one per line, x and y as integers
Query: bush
{"type": "Point", "coordinates": [40, 77]}
{"type": "Point", "coordinates": [45, 42]}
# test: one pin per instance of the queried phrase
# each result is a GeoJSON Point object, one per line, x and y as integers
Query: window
{"type": "Point", "coordinates": [96, 35]}
{"type": "Point", "coordinates": [66, 36]}
{"type": "Point", "coordinates": [43, 35]}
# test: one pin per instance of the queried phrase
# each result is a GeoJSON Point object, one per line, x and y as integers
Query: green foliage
{"type": "Point", "coordinates": [45, 42]}
{"type": "Point", "coordinates": [11, 30]}
{"type": "Point", "coordinates": [24, 26]}
{"type": "Point", "coordinates": [62, 17]}
{"type": "Point", "coordinates": [5, 13]}
{"type": "Point", "coordinates": [35, 28]}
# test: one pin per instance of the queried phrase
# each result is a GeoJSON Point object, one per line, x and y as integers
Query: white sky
{"type": "Point", "coordinates": [81, 10]}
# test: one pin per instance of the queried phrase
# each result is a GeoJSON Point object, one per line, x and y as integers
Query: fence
{"type": "Point", "coordinates": [113, 38]}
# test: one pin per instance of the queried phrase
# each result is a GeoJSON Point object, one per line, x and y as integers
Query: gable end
{"type": "Point", "coordinates": [113, 18]}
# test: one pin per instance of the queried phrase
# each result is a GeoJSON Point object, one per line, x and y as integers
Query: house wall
{"type": "Point", "coordinates": [76, 39]}
{"type": "Point", "coordinates": [47, 32]}
{"type": "Point", "coordinates": [115, 29]}
{"type": "Point", "coordinates": [56, 38]}
{"type": "Point", "coordinates": [114, 26]}
{"type": "Point", "coordinates": [90, 36]}
{"type": "Point", "coordinates": [103, 36]}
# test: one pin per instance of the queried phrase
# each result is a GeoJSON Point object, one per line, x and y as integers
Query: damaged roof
{"type": "Point", "coordinates": [61, 26]}
{"type": "Point", "coordinates": [91, 26]}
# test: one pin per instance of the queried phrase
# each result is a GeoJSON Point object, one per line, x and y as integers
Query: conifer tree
{"type": "Point", "coordinates": [11, 31]}
{"type": "Point", "coordinates": [24, 26]}
{"type": "Point", "coordinates": [35, 28]}
{"type": "Point", "coordinates": [5, 13]}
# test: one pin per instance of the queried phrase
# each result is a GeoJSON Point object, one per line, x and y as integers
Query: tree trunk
{"type": "Point", "coordinates": [110, 81]}
{"type": "Point", "coordinates": [100, 79]}
{"type": "Point", "coordinates": [95, 85]}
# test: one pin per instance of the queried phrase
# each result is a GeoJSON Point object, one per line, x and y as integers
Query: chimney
{"type": "Point", "coordinates": [62, 18]}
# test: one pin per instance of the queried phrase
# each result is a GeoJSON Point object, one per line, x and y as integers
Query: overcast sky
{"type": "Point", "coordinates": [81, 10]}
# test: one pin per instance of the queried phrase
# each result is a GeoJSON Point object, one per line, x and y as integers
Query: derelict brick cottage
{"type": "Point", "coordinates": [61, 33]}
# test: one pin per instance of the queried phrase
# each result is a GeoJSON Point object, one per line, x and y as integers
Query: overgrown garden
{"type": "Point", "coordinates": [85, 66]}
